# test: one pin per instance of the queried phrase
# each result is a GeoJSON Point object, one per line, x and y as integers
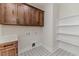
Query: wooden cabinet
{"type": "Point", "coordinates": [10, 14]}
{"type": "Point", "coordinates": [27, 15]}
{"type": "Point", "coordinates": [33, 16]}
{"type": "Point", "coordinates": [9, 49]}
{"type": "Point", "coordinates": [41, 18]}
{"type": "Point", "coordinates": [38, 18]}
{"type": "Point", "coordinates": [2, 8]}
{"type": "Point", "coordinates": [9, 52]}
{"type": "Point", "coordinates": [21, 14]}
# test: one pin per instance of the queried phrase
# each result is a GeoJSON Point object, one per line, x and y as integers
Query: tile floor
{"type": "Point", "coordinates": [41, 51]}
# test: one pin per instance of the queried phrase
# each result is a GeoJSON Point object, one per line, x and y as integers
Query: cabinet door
{"type": "Point", "coordinates": [20, 12]}
{"type": "Point", "coordinates": [37, 17]}
{"type": "Point", "coordinates": [10, 13]}
{"type": "Point", "coordinates": [2, 8]}
{"type": "Point", "coordinates": [41, 17]}
{"type": "Point", "coordinates": [27, 15]}
{"type": "Point", "coordinates": [4, 53]}
{"type": "Point", "coordinates": [34, 16]}
{"type": "Point", "coordinates": [9, 51]}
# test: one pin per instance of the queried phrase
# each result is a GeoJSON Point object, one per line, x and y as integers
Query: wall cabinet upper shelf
{"type": "Point", "coordinates": [20, 14]}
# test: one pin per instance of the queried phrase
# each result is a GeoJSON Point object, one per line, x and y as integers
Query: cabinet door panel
{"type": "Point", "coordinates": [9, 51]}
{"type": "Point", "coordinates": [27, 15]}
{"type": "Point", "coordinates": [4, 53]}
{"type": "Point", "coordinates": [41, 16]}
{"type": "Point", "coordinates": [33, 17]}
{"type": "Point", "coordinates": [10, 13]}
{"type": "Point", "coordinates": [2, 8]}
{"type": "Point", "coordinates": [20, 12]}
{"type": "Point", "coordinates": [37, 17]}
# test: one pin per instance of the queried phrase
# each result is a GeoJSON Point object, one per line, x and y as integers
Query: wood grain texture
{"type": "Point", "coordinates": [10, 14]}
{"type": "Point", "coordinates": [9, 49]}
{"type": "Point", "coordinates": [21, 14]}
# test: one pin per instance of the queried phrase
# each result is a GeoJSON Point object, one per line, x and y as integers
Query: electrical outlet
{"type": "Point", "coordinates": [33, 44]}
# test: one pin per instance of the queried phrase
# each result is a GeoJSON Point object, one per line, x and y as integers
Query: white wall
{"type": "Point", "coordinates": [25, 39]}
{"type": "Point", "coordinates": [55, 22]}
{"type": "Point", "coordinates": [47, 40]}
{"type": "Point", "coordinates": [68, 9]}
{"type": "Point", "coordinates": [49, 33]}
{"type": "Point", "coordinates": [68, 27]}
